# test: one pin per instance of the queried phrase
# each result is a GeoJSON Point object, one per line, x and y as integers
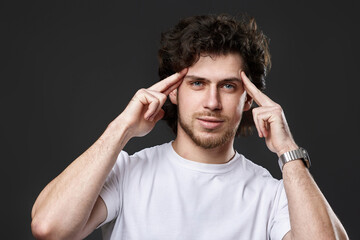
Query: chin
{"type": "Point", "coordinates": [213, 140]}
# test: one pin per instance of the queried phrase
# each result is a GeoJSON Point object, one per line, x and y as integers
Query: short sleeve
{"type": "Point", "coordinates": [280, 220]}
{"type": "Point", "coordinates": [112, 191]}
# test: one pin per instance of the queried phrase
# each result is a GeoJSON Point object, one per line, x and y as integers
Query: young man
{"type": "Point", "coordinates": [197, 186]}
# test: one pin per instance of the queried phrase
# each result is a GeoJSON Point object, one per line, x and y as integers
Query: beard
{"type": "Point", "coordinates": [217, 140]}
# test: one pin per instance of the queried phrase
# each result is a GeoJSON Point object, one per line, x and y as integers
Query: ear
{"type": "Point", "coordinates": [173, 96]}
{"type": "Point", "coordinates": [248, 102]}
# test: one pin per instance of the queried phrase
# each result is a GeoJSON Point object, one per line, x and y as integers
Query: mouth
{"type": "Point", "coordinates": [210, 122]}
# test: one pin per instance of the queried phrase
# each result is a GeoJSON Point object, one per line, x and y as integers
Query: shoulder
{"type": "Point", "coordinates": [151, 152]}
{"type": "Point", "coordinates": [143, 156]}
{"type": "Point", "coordinates": [260, 180]}
{"type": "Point", "coordinates": [254, 168]}
{"type": "Point", "coordinates": [257, 174]}
{"type": "Point", "coordinates": [150, 157]}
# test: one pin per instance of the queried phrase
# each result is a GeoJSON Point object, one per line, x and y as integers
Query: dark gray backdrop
{"type": "Point", "coordinates": [67, 70]}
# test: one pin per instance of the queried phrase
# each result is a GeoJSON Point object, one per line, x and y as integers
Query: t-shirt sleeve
{"type": "Point", "coordinates": [112, 191]}
{"type": "Point", "coordinates": [280, 223]}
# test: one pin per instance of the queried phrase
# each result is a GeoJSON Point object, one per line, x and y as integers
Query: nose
{"type": "Point", "coordinates": [212, 99]}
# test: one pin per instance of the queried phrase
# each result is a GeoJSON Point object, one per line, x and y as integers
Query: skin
{"type": "Point", "coordinates": [85, 210]}
{"type": "Point", "coordinates": [311, 217]}
{"type": "Point", "coordinates": [211, 101]}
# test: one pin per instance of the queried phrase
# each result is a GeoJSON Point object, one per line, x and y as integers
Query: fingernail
{"type": "Point", "coordinates": [183, 71]}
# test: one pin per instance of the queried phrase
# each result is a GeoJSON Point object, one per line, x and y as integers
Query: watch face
{"type": "Point", "coordinates": [306, 157]}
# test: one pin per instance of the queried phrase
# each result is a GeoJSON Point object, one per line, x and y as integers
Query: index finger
{"type": "Point", "coordinates": [259, 97]}
{"type": "Point", "coordinates": [170, 83]}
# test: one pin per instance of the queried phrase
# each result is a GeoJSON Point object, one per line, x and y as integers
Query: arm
{"type": "Point", "coordinates": [308, 206]}
{"type": "Point", "coordinates": [69, 207]}
{"type": "Point", "coordinates": [311, 216]}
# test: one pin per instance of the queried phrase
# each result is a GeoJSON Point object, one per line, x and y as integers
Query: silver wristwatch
{"type": "Point", "coordinates": [299, 154]}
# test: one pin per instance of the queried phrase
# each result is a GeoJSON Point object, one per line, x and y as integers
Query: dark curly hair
{"type": "Point", "coordinates": [192, 37]}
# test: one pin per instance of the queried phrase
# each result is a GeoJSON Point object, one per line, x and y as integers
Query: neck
{"type": "Point", "coordinates": [186, 148]}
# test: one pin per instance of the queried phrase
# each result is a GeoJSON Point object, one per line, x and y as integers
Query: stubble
{"type": "Point", "coordinates": [218, 139]}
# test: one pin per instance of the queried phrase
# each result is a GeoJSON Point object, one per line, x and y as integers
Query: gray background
{"type": "Point", "coordinates": [68, 69]}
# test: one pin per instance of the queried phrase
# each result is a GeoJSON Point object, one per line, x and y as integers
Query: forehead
{"type": "Point", "coordinates": [217, 67]}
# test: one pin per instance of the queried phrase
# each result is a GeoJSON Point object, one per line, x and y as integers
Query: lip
{"type": "Point", "coordinates": [210, 122]}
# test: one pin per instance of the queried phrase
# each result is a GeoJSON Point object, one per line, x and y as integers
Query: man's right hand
{"type": "Point", "coordinates": [80, 209]}
{"type": "Point", "coordinates": [145, 108]}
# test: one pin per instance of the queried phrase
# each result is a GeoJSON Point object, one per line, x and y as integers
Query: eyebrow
{"type": "Point", "coordinates": [231, 79]}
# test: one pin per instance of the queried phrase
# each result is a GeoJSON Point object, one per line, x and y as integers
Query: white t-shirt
{"type": "Point", "coordinates": [156, 194]}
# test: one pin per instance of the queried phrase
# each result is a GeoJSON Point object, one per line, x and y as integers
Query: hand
{"type": "Point", "coordinates": [269, 120]}
{"type": "Point", "coordinates": [145, 108]}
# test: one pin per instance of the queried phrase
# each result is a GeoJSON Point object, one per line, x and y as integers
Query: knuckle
{"type": "Point", "coordinates": [278, 108]}
{"type": "Point", "coordinates": [141, 91]}
{"type": "Point", "coordinates": [156, 101]}
{"type": "Point", "coordinates": [163, 97]}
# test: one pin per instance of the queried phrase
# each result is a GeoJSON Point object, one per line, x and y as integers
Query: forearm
{"type": "Point", "coordinates": [311, 217]}
{"type": "Point", "coordinates": [63, 208]}
{"type": "Point", "coordinates": [66, 203]}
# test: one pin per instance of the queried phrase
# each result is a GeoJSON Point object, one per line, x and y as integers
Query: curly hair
{"type": "Point", "coordinates": [192, 37]}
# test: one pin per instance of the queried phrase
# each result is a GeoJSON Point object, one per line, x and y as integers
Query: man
{"type": "Point", "coordinates": [197, 186]}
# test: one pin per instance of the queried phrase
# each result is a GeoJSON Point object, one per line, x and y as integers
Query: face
{"type": "Point", "coordinates": [211, 100]}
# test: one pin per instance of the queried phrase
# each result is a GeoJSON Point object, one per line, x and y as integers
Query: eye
{"type": "Point", "coordinates": [228, 86]}
{"type": "Point", "coordinates": [197, 84]}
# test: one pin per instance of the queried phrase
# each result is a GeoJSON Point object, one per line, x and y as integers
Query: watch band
{"type": "Point", "coordinates": [298, 154]}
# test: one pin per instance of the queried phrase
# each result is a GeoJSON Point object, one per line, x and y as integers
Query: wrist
{"type": "Point", "coordinates": [119, 130]}
{"type": "Point", "coordinates": [294, 166]}
{"type": "Point", "coordinates": [293, 156]}
{"type": "Point", "coordinates": [288, 148]}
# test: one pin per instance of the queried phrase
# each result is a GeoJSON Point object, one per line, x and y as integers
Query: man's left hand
{"type": "Point", "coordinates": [269, 120]}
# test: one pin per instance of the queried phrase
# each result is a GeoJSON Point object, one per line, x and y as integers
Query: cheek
{"type": "Point", "coordinates": [238, 113]}
{"type": "Point", "coordinates": [235, 107]}
{"type": "Point", "coordinates": [186, 99]}
{"type": "Point", "coordinates": [241, 101]}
